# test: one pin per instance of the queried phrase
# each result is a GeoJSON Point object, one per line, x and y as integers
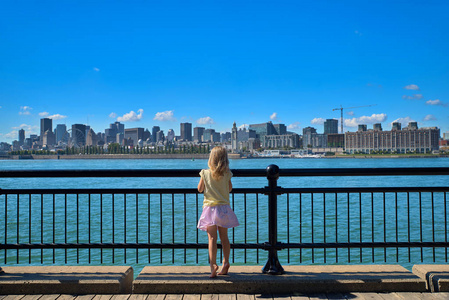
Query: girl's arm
{"type": "Point", "coordinates": [201, 185]}
{"type": "Point", "coordinates": [230, 186]}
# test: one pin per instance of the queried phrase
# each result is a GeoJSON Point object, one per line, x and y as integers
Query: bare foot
{"type": "Point", "coordinates": [224, 269]}
{"type": "Point", "coordinates": [213, 271]}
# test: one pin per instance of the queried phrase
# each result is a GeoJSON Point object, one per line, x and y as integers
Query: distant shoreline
{"type": "Point", "coordinates": [194, 156]}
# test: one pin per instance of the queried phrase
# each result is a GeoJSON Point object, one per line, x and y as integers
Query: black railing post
{"type": "Point", "coordinates": [272, 266]}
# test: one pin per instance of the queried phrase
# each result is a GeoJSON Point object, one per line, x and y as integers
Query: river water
{"type": "Point", "coordinates": [303, 228]}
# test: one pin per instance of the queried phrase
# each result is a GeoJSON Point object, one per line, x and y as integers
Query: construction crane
{"type": "Point", "coordinates": [341, 108]}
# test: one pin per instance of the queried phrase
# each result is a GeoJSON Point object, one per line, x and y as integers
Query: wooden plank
{"type": "Point", "coordinates": [409, 296]}
{"type": "Point", "coordinates": [51, 297]}
{"type": "Point", "coordinates": [13, 297]}
{"type": "Point", "coordinates": [156, 297]}
{"type": "Point", "coordinates": [366, 296]}
{"type": "Point", "coordinates": [281, 297]}
{"type": "Point", "coordinates": [244, 297]}
{"type": "Point", "coordinates": [191, 297]}
{"type": "Point", "coordinates": [66, 297]}
{"type": "Point", "coordinates": [209, 297]}
{"type": "Point", "coordinates": [227, 297]}
{"type": "Point", "coordinates": [120, 297]}
{"type": "Point", "coordinates": [103, 297]}
{"type": "Point", "coordinates": [173, 297]}
{"type": "Point", "coordinates": [389, 296]}
{"type": "Point", "coordinates": [85, 297]}
{"type": "Point", "coordinates": [440, 296]}
{"type": "Point", "coordinates": [32, 297]}
{"type": "Point", "coordinates": [298, 296]}
{"type": "Point", "coordinates": [138, 297]}
{"type": "Point", "coordinates": [336, 296]}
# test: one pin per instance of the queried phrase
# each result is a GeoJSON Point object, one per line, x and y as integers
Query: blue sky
{"type": "Point", "coordinates": [211, 63]}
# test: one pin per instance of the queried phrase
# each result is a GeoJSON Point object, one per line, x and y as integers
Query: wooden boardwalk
{"type": "Point", "coordinates": [372, 296]}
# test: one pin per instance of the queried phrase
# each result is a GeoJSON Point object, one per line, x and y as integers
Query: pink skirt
{"type": "Point", "coordinates": [220, 215]}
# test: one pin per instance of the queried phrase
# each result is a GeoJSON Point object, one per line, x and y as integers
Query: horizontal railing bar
{"type": "Point", "coordinates": [339, 190]}
{"type": "Point", "coordinates": [132, 191]}
{"type": "Point", "coordinates": [265, 246]}
{"type": "Point", "coordinates": [365, 172]}
{"type": "Point", "coordinates": [175, 191]}
{"type": "Point", "coordinates": [236, 172]}
{"type": "Point", "coordinates": [122, 173]}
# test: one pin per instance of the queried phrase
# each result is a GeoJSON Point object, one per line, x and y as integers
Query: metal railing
{"type": "Point", "coordinates": [157, 225]}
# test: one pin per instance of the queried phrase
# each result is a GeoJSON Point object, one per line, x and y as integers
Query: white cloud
{"type": "Point", "coordinates": [113, 115]}
{"type": "Point", "coordinates": [374, 118]}
{"type": "Point", "coordinates": [274, 116]}
{"type": "Point", "coordinates": [96, 70]}
{"type": "Point", "coordinates": [414, 97]}
{"type": "Point", "coordinates": [53, 117]}
{"type": "Point", "coordinates": [429, 118]}
{"type": "Point", "coordinates": [12, 135]}
{"type": "Point", "coordinates": [57, 117]}
{"type": "Point", "coordinates": [131, 116]}
{"type": "Point", "coordinates": [403, 121]}
{"type": "Point", "coordinates": [293, 126]}
{"type": "Point", "coordinates": [25, 110]}
{"type": "Point", "coordinates": [350, 113]}
{"type": "Point", "coordinates": [205, 120]}
{"type": "Point", "coordinates": [164, 116]}
{"type": "Point", "coordinates": [318, 121]}
{"type": "Point", "coordinates": [436, 102]}
{"type": "Point", "coordinates": [413, 87]}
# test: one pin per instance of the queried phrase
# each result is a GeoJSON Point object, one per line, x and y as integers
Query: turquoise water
{"type": "Point", "coordinates": [366, 221]}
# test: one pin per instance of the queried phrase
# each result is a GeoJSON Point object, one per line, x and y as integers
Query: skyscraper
{"type": "Point", "coordinates": [330, 126]}
{"type": "Point", "coordinates": [186, 131]}
{"type": "Point", "coordinates": [154, 132]}
{"type": "Point", "coordinates": [198, 134]}
{"type": "Point", "coordinates": [60, 132]}
{"type": "Point", "coordinates": [21, 137]}
{"type": "Point", "coordinates": [46, 124]}
{"type": "Point", "coordinates": [78, 135]}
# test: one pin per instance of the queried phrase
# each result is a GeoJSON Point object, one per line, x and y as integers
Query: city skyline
{"type": "Point", "coordinates": [153, 64]}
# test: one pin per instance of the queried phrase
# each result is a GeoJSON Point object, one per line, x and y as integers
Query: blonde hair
{"type": "Point", "coordinates": [218, 162]}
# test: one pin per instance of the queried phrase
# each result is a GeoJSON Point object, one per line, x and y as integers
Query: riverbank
{"type": "Point", "coordinates": [201, 156]}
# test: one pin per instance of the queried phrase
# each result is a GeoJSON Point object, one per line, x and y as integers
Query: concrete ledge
{"type": "Point", "coordinates": [66, 280]}
{"type": "Point", "coordinates": [437, 276]}
{"type": "Point", "coordinates": [298, 279]}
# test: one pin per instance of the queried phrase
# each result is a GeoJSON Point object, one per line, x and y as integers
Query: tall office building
{"type": "Point", "coordinates": [170, 136]}
{"type": "Point", "coordinates": [135, 134]}
{"type": "Point", "coordinates": [280, 129]}
{"type": "Point", "coordinates": [330, 126]}
{"type": "Point", "coordinates": [91, 139]}
{"type": "Point", "coordinates": [21, 137]}
{"type": "Point", "coordinates": [78, 135]}
{"type": "Point", "coordinates": [154, 132]}
{"type": "Point", "coordinates": [48, 139]}
{"type": "Point", "coordinates": [113, 130]}
{"type": "Point", "coordinates": [186, 131]}
{"type": "Point", "coordinates": [263, 129]}
{"type": "Point", "coordinates": [198, 134]}
{"type": "Point", "coordinates": [60, 133]}
{"type": "Point", "coordinates": [46, 124]}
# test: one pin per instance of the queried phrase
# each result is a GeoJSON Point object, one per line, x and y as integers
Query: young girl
{"type": "Point", "coordinates": [217, 214]}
